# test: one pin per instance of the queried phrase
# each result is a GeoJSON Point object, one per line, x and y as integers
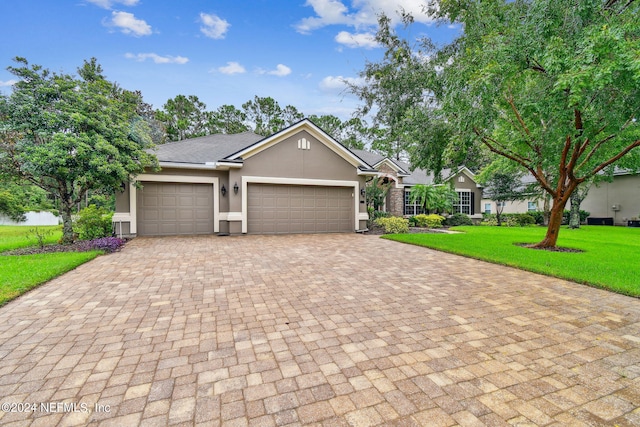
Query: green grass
{"type": "Point", "coordinates": [610, 260]}
{"type": "Point", "coordinates": [15, 236]}
{"type": "Point", "coordinates": [20, 273]}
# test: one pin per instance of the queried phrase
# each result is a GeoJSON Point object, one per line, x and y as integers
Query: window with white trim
{"type": "Point", "coordinates": [463, 204]}
{"type": "Point", "coordinates": [487, 208]}
{"type": "Point", "coordinates": [411, 208]}
{"type": "Point", "coordinates": [532, 206]}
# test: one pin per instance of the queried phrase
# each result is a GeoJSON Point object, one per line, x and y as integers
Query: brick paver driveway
{"type": "Point", "coordinates": [327, 329]}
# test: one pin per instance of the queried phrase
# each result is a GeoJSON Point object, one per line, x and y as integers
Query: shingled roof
{"type": "Point", "coordinates": [205, 149]}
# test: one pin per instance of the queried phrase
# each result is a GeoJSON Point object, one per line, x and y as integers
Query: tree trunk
{"type": "Point", "coordinates": [546, 209]}
{"type": "Point", "coordinates": [555, 221]}
{"type": "Point", "coordinates": [499, 210]}
{"type": "Point", "coordinates": [67, 224]}
{"type": "Point", "coordinates": [578, 195]}
{"type": "Point", "coordinates": [574, 214]}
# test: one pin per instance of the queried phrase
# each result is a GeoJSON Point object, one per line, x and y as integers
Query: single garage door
{"type": "Point", "coordinates": [168, 208]}
{"type": "Point", "coordinates": [284, 209]}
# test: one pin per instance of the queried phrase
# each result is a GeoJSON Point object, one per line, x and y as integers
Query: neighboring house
{"type": "Point", "coordinates": [401, 179]}
{"type": "Point", "coordinates": [531, 203]}
{"type": "Point", "coordinates": [618, 199]}
{"type": "Point", "coordinates": [299, 180]}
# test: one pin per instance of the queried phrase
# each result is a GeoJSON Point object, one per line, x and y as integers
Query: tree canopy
{"type": "Point", "coordinates": [69, 134]}
{"type": "Point", "coordinates": [551, 85]}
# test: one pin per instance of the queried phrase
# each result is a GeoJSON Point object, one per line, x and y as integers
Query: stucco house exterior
{"type": "Point", "coordinates": [299, 180]}
{"type": "Point", "coordinates": [401, 179]}
{"type": "Point", "coordinates": [618, 199]}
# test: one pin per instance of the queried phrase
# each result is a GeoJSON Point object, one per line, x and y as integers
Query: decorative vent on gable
{"type": "Point", "coordinates": [304, 144]}
{"type": "Point", "coordinates": [461, 178]}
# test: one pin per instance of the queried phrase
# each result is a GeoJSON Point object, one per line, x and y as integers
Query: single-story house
{"type": "Point", "coordinates": [299, 180]}
{"type": "Point", "coordinates": [401, 179]}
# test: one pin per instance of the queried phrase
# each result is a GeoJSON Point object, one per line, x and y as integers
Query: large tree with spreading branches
{"type": "Point", "coordinates": [70, 134]}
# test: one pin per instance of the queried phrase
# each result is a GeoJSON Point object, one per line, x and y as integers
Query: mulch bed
{"type": "Point", "coordinates": [554, 249]}
{"type": "Point", "coordinates": [46, 249]}
{"type": "Point", "coordinates": [412, 230]}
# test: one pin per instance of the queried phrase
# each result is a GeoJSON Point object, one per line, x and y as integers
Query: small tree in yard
{"type": "Point", "coordinates": [68, 134]}
{"type": "Point", "coordinates": [433, 198]}
{"type": "Point", "coordinates": [502, 188]}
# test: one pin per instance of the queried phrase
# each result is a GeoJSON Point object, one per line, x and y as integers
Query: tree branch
{"type": "Point", "coordinates": [614, 158]}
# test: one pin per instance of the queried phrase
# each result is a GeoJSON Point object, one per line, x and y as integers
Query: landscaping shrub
{"type": "Point", "coordinates": [431, 221]}
{"type": "Point", "coordinates": [107, 244]}
{"type": "Point", "coordinates": [538, 216]}
{"type": "Point", "coordinates": [509, 220]}
{"type": "Point", "coordinates": [93, 223]}
{"type": "Point", "coordinates": [393, 225]}
{"type": "Point", "coordinates": [457, 219]}
{"type": "Point", "coordinates": [583, 216]}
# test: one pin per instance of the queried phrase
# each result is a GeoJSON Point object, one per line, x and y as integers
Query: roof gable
{"type": "Point", "coordinates": [282, 135]}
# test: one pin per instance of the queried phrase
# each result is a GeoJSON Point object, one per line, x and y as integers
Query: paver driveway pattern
{"type": "Point", "coordinates": [325, 329]}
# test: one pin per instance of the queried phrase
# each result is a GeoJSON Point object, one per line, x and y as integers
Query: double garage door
{"type": "Point", "coordinates": [287, 209]}
{"type": "Point", "coordinates": [166, 208]}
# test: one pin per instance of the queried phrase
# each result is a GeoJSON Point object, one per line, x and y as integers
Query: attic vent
{"type": "Point", "coordinates": [304, 144]}
{"type": "Point", "coordinates": [461, 179]}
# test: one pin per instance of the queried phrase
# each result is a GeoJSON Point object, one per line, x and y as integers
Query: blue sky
{"type": "Point", "coordinates": [224, 52]}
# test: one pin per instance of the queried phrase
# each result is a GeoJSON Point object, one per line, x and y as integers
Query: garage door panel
{"type": "Point", "coordinates": [175, 208]}
{"type": "Point", "coordinates": [283, 209]}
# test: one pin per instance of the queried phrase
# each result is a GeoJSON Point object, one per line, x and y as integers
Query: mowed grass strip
{"type": "Point", "coordinates": [610, 257]}
{"type": "Point", "coordinates": [19, 274]}
{"type": "Point", "coordinates": [15, 236]}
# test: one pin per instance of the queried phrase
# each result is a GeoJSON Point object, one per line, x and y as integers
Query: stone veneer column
{"type": "Point", "coordinates": [396, 201]}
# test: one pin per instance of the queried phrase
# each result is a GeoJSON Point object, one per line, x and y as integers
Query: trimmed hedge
{"type": "Point", "coordinates": [430, 221]}
{"type": "Point", "coordinates": [393, 225]}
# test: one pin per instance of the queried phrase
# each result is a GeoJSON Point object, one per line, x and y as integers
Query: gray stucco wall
{"type": "Point", "coordinates": [624, 191]}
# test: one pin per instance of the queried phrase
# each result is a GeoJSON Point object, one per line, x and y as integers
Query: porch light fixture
{"type": "Point", "coordinates": [223, 191]}
{"type": "Point", "coordinates": [363, 192]}
{"type": "Point", "coordinates": [235, 188]}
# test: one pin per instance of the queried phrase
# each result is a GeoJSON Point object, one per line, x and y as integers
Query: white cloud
{"type": "Point", "coordinates": [8, 83]}
{"type": "Point", "coordinates": [232, 68]}
{"type": "Point", "coordinates": [364, 40]}
{"type": "Point", "coordinates": [280, 71]}
{"type": "Point", "coordinates": [213, 26]}
{"type": "Point", "coordinates": [129, 24]}
{"type": "Point", "coordinates": [364, 13]}
{"type": "Point", "coordinates": [141, 57]}
{"type": "Point", "coordinates": [339, 83]}
{"type": "Point", "coordinates": [107, 4]}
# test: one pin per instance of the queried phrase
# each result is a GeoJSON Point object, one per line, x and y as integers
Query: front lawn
{"type": "Point", "coordinates": [15, 236]}
{"type": "Point", "coordinates": [610, 260]}
{"type": "Point", "coordinates": [20, 273]}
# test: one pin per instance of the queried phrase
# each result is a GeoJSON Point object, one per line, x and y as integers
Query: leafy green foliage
{"type": "Point", "coordinates": [40, 234]}
{"type": "Point", "coordinates": [393, 225]}
{"type": "Point", "coordinates": [185, 117]}
{"type": "Point", "coordinates": [552, 85]}
{"type": "Point", "coordinates": [268, 117]}
{"type": "Point", "coordinates": [430, 221]}
{"type": "Point", "coordinates": [69, 134]}
{"type": "Point", "coordinates": [609, 257]}
{"type": "Point", "coordinates": [433, 198]}
{"type": "Point", "coordinates": [11, 206]}
{"type": "Point", "coordinates": [93, 223]}
{"type": "Point", "coordinates": [457, 219]}
{"type": "Point", "coordinates": [375, 193]}
{"type": "Point", "coordinates": [510, 220]}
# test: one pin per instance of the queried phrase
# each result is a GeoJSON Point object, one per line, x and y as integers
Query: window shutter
{"type": "Point", "coordinates": [473, 203]}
